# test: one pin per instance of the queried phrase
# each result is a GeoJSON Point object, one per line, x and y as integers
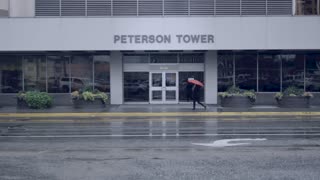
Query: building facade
{"type": "Point", "coordinates": [143, 51]}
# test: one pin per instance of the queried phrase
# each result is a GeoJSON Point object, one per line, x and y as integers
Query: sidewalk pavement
{"type": "Point", "coordinates": [147, 110]}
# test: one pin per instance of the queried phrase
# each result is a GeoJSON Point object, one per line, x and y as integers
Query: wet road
{"type": "Point", "coordinates": [153, 127]}
{"type": "Point", "coordinates": [159, 148]}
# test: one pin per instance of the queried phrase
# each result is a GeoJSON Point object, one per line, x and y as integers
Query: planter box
{"type": "Point", "coordinates": [80, 103]}
{"type": "Point", "coordinates": [294, 102]}
{"type": "Point", "coordinates": [236, 102]}
{"type": "Point", "coordinates": [22, 104]}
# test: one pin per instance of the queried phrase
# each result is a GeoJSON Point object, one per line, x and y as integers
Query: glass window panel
{"type": "Point", "coordinates": [81, 73]}
{"type": "Point", "coordinates": [127, 58]}
{"type": "Point", "coordinates": [192, 58]}
{"type": "Point", "coordinates": [246, 71]}
{"type": "Point", "coordinates": [292, 70]}
{"type": "Point", "coordinates": [156, 79]}
{"type": "Point", "coordinates": [171, 79]}
{"type": "Point", "coordinates": [34, 68]}
{"type": "Point", "coordinates": [163, 58]}
{"type": "Point", "coordinates": [102, 73]}
{"type": "Point", "coordinates": [156, 95]}
{"type": "Point", "coordinates": [225, 71]}
{"type": "Point", "coordinates": [136, 86]}
{"type": "Point", "coordinates": [171, 95]}
{"type": "Point", "coordinates": [269, 73]}
{"type": "Point", "coordinates": [183, 82]}
{"type": "Point", "coordinates": [10, 74]}
{"type": "Point", "coordinates": [313, 72]}
{"type": "Point", "coordinates": [307, 7]}
{"type": "Point", "coordinates": [58, 74]}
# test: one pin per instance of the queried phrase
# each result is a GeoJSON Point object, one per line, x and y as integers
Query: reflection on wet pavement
{"type": "Point", "coordinates": [163, 127]}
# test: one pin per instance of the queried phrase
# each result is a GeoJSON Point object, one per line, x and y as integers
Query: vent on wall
{"type": "Point", "coordinates": [279, 7]}
{"type": "Point", "coordinates": [202, 7]}
{"type": "Point", "coordinates": [73, 7]}
{"type": "Point", "coordinates": [228, 7]}
{"type": "Point", "coordinates": [99, 7]}
{"type": "Point", "coordinates": [47, 8]}
{"type": "Point", "coordinates": [150, 7]}
{"type": "Point", "coordinates": [162, 7]}
{"type": "Point", "coordinates": [124, 7]}
{"type": "Point", "coordinates": [256, 7]}
{"type": "Point", "coordinates": [176, 7]}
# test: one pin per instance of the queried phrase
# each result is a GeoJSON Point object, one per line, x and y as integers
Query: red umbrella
{"type": "Point", "coordinates": [196, 82]}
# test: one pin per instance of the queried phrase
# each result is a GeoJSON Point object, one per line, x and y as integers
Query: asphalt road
{"type": "Point", "coordinates": [159, 149]}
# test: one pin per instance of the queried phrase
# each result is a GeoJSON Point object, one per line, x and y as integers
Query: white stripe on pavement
{"type": "Point", "coordinates": [167, 135]}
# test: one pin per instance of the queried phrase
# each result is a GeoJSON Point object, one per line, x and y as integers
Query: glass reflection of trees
{"type": "Point", "coordinates": [136, 86]}
{"type": "Point", "coordinates": [313, 72]}
{"type": "Point", "coordinates": [10, 74]}
{"type": "Point", "coordinates": [269, 72]}
{"type": "Point", "coordinates": [292, 70]}
{"type": "Point", "coordinates": [246, 70]}
{"type": "Point", "coordinates": [225, 71]}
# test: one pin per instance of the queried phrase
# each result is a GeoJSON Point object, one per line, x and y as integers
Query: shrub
{"type": "Point", "coordinates": [236, 91]}
{"type": "Point", "coordinates": [292, 91]}
{"type": "Point", "coordinates": [75, 95]}
{"type": "Point", "coordinates": [90, 96]}
{"type": "Point", "coordinates": [35, 99]}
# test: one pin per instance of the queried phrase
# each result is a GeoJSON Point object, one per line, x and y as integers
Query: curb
{"type": "Point", "coordinates": [158, 114]}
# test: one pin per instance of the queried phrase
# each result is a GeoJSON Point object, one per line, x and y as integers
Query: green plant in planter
{"type": "Point", "coordinates": [278, 96]}
{"type": "Point", "coordinates": [90, 95]}
{"type": "Point", "coordinates": [75, 95]}
{"type": "Point", "coordinates": [103, 96]}
{"type": "Point", "coordinates": [35, 99]}
{"type": "Point", "coordinates": [21, 95]}
{"type": "Point", "coordinates": [236, 91]}
{"type": "Point", "coordinates": [292, 91]}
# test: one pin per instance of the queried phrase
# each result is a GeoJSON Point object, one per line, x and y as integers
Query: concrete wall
{"type": "Point", "coordinates": [211, 76]}
{"type": "Point", "coordinates": [268, 99]}
{"type": "Point", "coordinates": [116, 77]}
{"type": "Point", "coordinates": [4, 7]}
{"type": "Point", "coordinates": [65, 99]}
{"type": "Point", "coordinates": [234, 33]}
{"type": "Point", "coordinates": [58, 99]}
{"type": "Point", "coordinates": [4, 4]}
{"type": "Point", "coordinates": [22, 8]}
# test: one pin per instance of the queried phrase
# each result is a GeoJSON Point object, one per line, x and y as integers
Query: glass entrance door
{"type": "Point", "coordinates": [163, 87]}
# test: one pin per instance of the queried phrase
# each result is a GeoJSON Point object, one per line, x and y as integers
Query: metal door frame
{"type": "Point", "coordinates": [163, 88]}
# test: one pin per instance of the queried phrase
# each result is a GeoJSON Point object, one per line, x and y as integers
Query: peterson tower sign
{"type": "Point", "coordinates": [164, 39]}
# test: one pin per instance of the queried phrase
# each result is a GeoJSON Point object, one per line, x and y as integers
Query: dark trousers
{"type": "Point", "coordinates": [198, 101]}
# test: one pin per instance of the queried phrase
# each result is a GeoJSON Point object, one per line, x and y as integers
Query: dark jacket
{"type": "Point", "coordinates": [189, 91]}
{"type": "Point", "coordinates": [196, 92]}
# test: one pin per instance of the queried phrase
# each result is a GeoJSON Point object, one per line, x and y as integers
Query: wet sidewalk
{"type": "Point", "coordinates": [148, 108]}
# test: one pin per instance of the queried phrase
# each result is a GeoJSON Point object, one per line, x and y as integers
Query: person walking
{"type": "Point", "coordinates": [196, 96]}
{"type": "Point", "coordinates": [189, 91]}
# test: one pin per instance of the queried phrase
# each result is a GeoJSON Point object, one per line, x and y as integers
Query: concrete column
{"type": "Point", "coordinates": [22, 8]}
{"type": "Point", "coordinates": [116, 78]}
{"type": "Point", "coordinates": [4, 7]}
{"type": "Point", "coordinates": [211, 77]}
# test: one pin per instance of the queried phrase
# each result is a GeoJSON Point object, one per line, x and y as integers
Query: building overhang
{"type": "Point", "coordinates": [175, 33]}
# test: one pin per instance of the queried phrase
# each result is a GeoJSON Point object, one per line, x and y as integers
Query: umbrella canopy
{"type": "Point", "coordinates": [196, 82]}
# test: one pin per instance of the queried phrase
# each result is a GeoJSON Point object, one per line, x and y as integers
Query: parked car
{"type": "Point", "coordinates": [76, 83]}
